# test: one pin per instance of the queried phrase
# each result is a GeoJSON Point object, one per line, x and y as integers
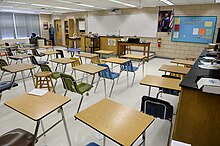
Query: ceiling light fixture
{"type": "Point", "coordinates": [85, 5]}
{"type": "Point", "coordinates": [167, 2]}
{"type": "Point", "coordinates": [14, 2]}
{"type": "Point", "coordinates": [126, 4]}
{"type": "Point", "coordinates": [217, 1]}
{"type": "Point", "coordinates": [40, 5]}
{"type": "Point", "coordinates": [63, 1]}
{"type": "Point", "coordinates": [65, 8]}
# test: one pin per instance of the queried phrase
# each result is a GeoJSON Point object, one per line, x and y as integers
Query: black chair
{"type": "Point", "coordinates": [169, 91]}
{"type": "Point", "coordinates": [2, 64]}
{"type": "Point", "coordinates": [6, 85]}
{"type": "Point", "coordinates": [61, 54]}
{"type": "Point", "coordinates": [37, 63]}
{"type": "Point", "coordinates": [17, 137]}
{"type": "Point", "coordinates": [159, 109]}
{"type": "Point", "coordinates": [36, 53]}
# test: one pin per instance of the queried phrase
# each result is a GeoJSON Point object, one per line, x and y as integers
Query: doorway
{"type": "Point", "coordinates": [58, 32]}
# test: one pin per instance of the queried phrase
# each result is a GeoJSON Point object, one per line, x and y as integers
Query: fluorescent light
{"type": "Point", "coordinates": [65, 8]}
{"type": "Point", "coordinates": [85, 5]}
{"type": "Point", "coordinates": [167, 2]}
{"type": "Point", "coordinates": [40, 5]}
{"type": "Point", "coordinates": [14, 2]}
{"type": "Point", "coordinates": [63, 1]}
{"type": "Point", "coordinates": [217, 1]}
{"type": "Point", "coordinates": [126, 4]}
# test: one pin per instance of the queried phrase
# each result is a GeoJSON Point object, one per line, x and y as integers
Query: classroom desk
{"type": "Point", "coordinates": [75, 40]}
{"type": "Point", "coordinates": [47, 47]}
{"type": "Point", "coordinates": [147, 44]}
{"type": "Point", "coordinates": [38, 107]}
{"type": "Point", "coordinates": [104, 52]}
{"type": "Point", "coordinates": [183, 62]}
{"type": "Point", "coordinates": [25, 49]}
{"type": "Point", "coordinates": [63, 61]}
{"type": "Point", "coordinates": [174, 69]}
{"type": "Point", "coordinates": [49, 53]}
{"type": "Point", "coordinates": [87, 55]}
{"type": "Point", "coordinates": [90, 69]}
{"type": "Point", "coordinates": [20, 67]}
{"type": "Point", "coordinates": [73, 51]}
{"type": "Point", "coordinates": [119, 61]}
{"type": "Point", "coordinates": [20, 57]}
{"type": "Point", "coordinates": [29, 45]}
{"type": "Point", "coordinates": [157, 81]}
{"type": "Point", "coordinates": [119, 123]}
{"type": "Point", "coordinates": [140, 58]}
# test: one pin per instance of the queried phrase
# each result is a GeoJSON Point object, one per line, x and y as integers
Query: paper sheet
{"type": "Point", "coordinates": [177, 21]}
{"type": "Point", "coordinates": [38, 92]}
{"type": "Point", "coordinates": [195, 31]}
{"type": "Point", "coordinates": [176, 35]}
{"type": "Point", "coordinates": [208, 24]}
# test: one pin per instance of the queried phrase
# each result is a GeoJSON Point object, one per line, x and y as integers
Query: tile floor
{"type": "Point", "coordinates": [81, 134]}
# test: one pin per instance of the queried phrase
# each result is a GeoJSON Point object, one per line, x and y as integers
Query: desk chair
{"type": "Point", "coordinates": [107, 74]}
{"type": "Point", "coordinates": [2, 64]}
{"type": "Point", "coordinates": [6, 85]}
{"type": "Point", "coordinates": [97, 60]}
{"type": "Point", "coordinates": [55, 75]}
{"type": "Point", "coordinates": [159, 109]}
{"type": "Point", "coordinates": [37, 63]}
{"type": "Point", "coordinates": [70, 84]}
{"type": "Point", "coordinates": [17, 137]}
{"type": "Point", "coordinates": [61, 54]}
{"type": "Point", "coordinates": [128, 67]}
{"type": "Point", "coordinates": [76, 62]}
{"type": "Point", "coordinates": [168, 91]}
{"type": "Point", "coordinates": [36, 53]}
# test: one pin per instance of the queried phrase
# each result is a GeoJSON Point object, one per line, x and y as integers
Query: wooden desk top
{"type": "Point", "coordinates": [115, 60]}
{"type": "Point", "coordinates": [134, 44]}
{"type": "Point", "coordinates": [104, 52]}
{"type": "Point", "coordinates": [157, 81]}
{"type": "Point", "coordinates": [13, 68]}
{"type": "Point", "coordinates": [174, 69]}
{"type": "Point", "coordinates": [37, 107]}
{"type": "Point", "coordinates": [26, 49]}
{"type": "Point", "coordinates": [62, 60]}
{"type": "Point", "coordinates": [46, 47]}
{"type": "Point", "coordinates": [133, 56]}
{"type": "Point", "coordinates": [20, 56]}
{"type": "Point", "coordinates": [182, 61]}
{"type": "Point", "coordinates": [31, 45]}
{"type": "Point", "coordinates": [117, 122]}
{"type": "Point", "coordinates": [87, 55]}
{"type": "Point", "coordinates": [49, 52]}
{"type": "Point", "coordinates": [89, 68]}
{"type": "Point", "coordinates": [8, 47]}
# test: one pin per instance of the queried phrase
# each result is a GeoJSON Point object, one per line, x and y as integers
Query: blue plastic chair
{"type": "Point", "coordinates": [107, 74]}
{"type": "Point", "coordinates": [130, 68]}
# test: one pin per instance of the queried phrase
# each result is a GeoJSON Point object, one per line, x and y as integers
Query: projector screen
{"type": "Point", "coordinates": [143, 25]}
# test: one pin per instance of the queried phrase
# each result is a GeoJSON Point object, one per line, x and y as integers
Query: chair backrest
{"type": "Point", "coordinates": [3, 63]}
{"type": "Point", "coordinates": [9, 52]}
{"type": "Point", "coordinates": [35, 52]}
{"type": "Point", "coordinates": [69, 83]}
{"type": "Point", "coordinates": [105, 73]}
{"type": "Point", "coordinates": [170, 91]}
{"type": "Point", "coordinates": [95, 60]}
{"type": "Point", "coordinates": [45, 67]}
{"type": "Point", "coordinates": [33, 60]}
{"type": "Point", "coordinates": [76, 62]}
{"type": "Point", "coordinates": [157, 108]}
{"type": "Point", "coordinates": [127, 66]}
{"type": "Point", "coordinates": [60, 53]}
{"type": "Point", "coordinates": [7, 44]}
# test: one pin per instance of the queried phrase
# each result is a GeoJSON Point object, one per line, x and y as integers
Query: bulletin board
{"type": "Point", "coordinates": [194, 29]}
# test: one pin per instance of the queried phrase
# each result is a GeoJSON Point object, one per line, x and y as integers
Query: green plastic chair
{"type": "Point", "coordinates": [55, 75]}
{"type": "Point", "coordinates": [2, 64]}
{"type": "Point", "coordinates": [70, 84]}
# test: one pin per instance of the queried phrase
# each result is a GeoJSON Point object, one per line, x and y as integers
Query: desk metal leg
{"type": "Point", "coordinates": [143, 63]}
{"type": "Point", "coordinates": [93, 79]}
{"type": "Point", "coordinates": [149, 91]}
{"type": "Point", "coordinates": [104, 140]}
{"type": "Point", "coordinates": [47, 58]}
{"type": "Point", "coordinates": [13, 79]}
{"type": "Point", "coordinates": [65, 126]}
{"type": "Point", "coordinates": [64, 69]}
{"type": "Point", "coordinates": [144, 137]}
{"type": "Point", "coordinates": [42, 126]}
{"type": "Point", "coordinates": [56, 66]}
{"type": "Point", "coordinates": [25, 88]}
{"type": "Point", "coordinates": [32, 77]}
{"type": "Point", "coordinates": [36, 131]}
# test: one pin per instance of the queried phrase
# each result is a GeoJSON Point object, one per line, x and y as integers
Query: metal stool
{"type": "Point", "coordinates": [44, 80]}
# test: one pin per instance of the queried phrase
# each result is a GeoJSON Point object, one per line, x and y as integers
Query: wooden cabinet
{"type": "Point", "coordinates": [68, 31]}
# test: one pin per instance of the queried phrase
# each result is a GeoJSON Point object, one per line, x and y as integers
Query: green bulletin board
{"type": "Point", "coordinates": [194, 29]}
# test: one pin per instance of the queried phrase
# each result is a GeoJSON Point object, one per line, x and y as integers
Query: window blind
{"type": "Point", "coordinates": [7, 30]}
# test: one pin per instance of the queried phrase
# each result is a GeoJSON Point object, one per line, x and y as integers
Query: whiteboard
{"type": "Point", "coordinates": [143, 25]}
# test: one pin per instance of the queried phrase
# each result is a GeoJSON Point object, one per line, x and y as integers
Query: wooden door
{"type": "Point", "coordinates": [58, 32]}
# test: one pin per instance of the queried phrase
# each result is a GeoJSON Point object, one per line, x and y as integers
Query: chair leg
{"type": "Point", "coordinates": [112, 88]}
{"type": "Point", "coordinates": [133, 80]}
{"type": "Point", "coordinates": [0, 97]}
{"type": "Point", "coordinates": [80, 103]}
{"type": "Point", "coordinates": [2, 75]}
{"type": "Point", "coordinates": [105, 88]}
{"type": "Point", "coordinates": [118, 77]}
{"type": "Point", "coordinates": [170, 132]}
{"type": "Point", "coordinates": [97, 84]}
{"type": "Point", "coordinates": [65, 93]}
{"type": "Point", "coordinates": [160, 92]}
